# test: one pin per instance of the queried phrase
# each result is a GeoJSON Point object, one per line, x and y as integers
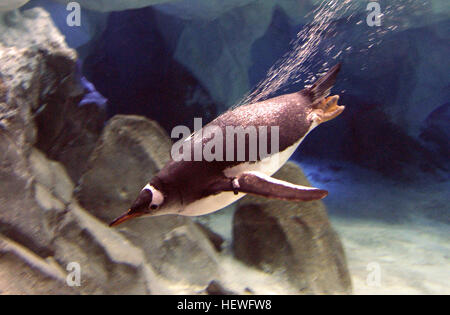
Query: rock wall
{"type": "Point", "coordinates": [42, 227]}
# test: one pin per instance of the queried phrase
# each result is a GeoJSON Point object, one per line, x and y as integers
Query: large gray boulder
{"type": "Point", "coordinates": [130, 151]}
{"type": "Point", "coordinates": [295, 240]}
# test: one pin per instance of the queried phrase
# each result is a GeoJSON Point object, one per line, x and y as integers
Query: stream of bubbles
{"type": "Point", "coordinates": [297, 63]}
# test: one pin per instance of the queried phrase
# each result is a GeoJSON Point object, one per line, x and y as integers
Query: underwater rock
{"type": "Point", "coordinates": [436, 130]}
{"type": "Point", "coordinates": [209, 10]}
{"type": "Point", "coordinates": [52, 175]}
{"type": "Point", "coordinates": [224, 78]}
{"type": "Point", "coordinates": [23, 201]}
{"type": "Point", "coordinates": [8, 5]}
{"type": "Point", "coordinates": [20, 212]}
{"type": "Point", "coordinates": [206, 10]}
{"type": "Point", "coordinates": [23, 272]}
{"type": "Point", "coordinates": [218, 58]}
{"type": "Point", "coordinates": [294, 239]}
{"type": "Point", "coordinates": [68, 132]}
{"type": "Point", "coordinates": [41, 216]}
{"type": "Point", "coordinates": [115, 5]}
{"type": "Point", "coordinates": [35, 30]}
{"type": "Point", "coordinates": [92, 24]}
{"type": "Point", "coordinates": [42, 229]}
{"type": "Point", "coordinates": [130, 150]}
{"type": "Point", "coordinates": [108, 262]}
{"type": "Point", "coordinates": [187, 9]}
{"type": "Point", "coordinates": [216, 288]}
{"type": "Point", "coordinates": [46, 68]}
{"type": "Point", "coordinates": [216, 239]}
{"type": "Point", "coordinates": [37, 211]}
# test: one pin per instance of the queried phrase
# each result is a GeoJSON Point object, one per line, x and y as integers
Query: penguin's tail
{"type": "Point", "coordinates": [321, 88]}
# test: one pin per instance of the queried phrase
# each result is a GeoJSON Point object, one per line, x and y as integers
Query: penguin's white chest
{"type": "Point", "coordinates": [268, 166]}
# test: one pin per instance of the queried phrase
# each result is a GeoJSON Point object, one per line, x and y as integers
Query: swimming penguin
{"type": "Point", "coordinates": [193, 187]}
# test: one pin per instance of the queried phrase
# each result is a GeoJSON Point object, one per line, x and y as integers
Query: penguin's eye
{"type": "Point", "coordinates": [154, 207]}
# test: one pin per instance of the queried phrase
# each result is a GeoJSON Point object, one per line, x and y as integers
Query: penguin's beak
{"type": "Point", "coordinates": [124, 217]}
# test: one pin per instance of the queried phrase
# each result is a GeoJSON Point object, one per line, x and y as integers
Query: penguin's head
{"type": "Point", "coordinates": [148, 203]}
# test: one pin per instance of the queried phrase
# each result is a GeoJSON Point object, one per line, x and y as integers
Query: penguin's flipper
{"type": "Point", "coordinates": [257, 183]}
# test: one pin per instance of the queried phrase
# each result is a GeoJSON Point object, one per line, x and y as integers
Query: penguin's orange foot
{"type": "Point", "coordinates": [328, 109]}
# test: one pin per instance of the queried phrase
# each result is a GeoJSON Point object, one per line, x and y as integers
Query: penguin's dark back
{"type": "Point", "coordinates": [287, 112]}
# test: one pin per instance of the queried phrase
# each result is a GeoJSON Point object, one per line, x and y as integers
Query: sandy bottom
{"type": "Point", "coordinates": [396, 259]}
{"type": "Point", "coordinates": [396, 236]}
